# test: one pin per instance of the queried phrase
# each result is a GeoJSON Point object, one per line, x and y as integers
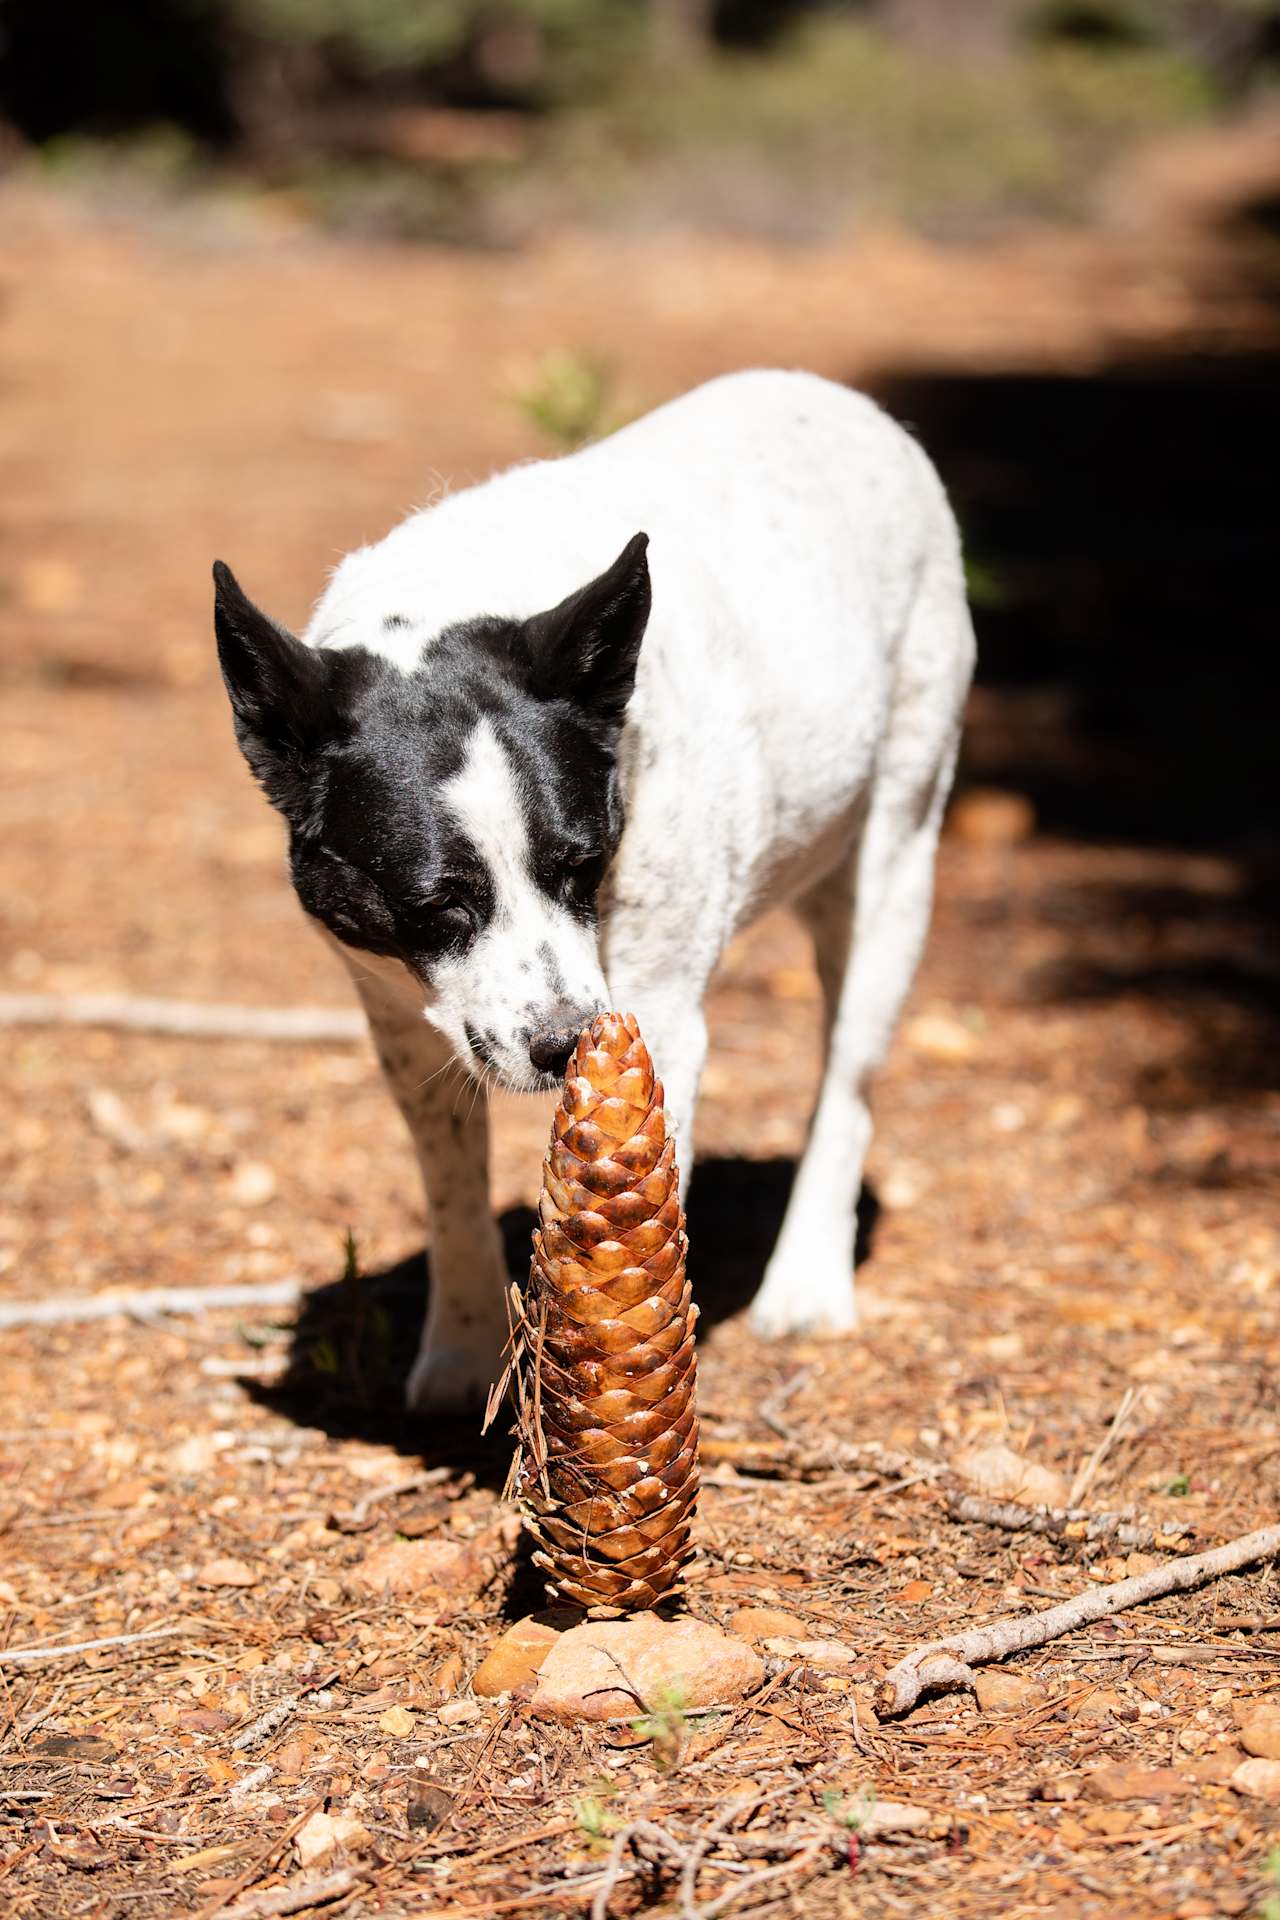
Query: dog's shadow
{"type": "Point", "coordinates": [355, 1337]}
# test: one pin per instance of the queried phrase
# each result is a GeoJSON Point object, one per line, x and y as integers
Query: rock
{"type": "Point", "coordinates": [941, 1037]}
{"type": "Point", "coordinates": [320, 1836]}
{"type": "Point", "coordinates": [1002, 1474]}
{"type": "Point", "coordinates": [428, 1806]}
{"type": "Point", "coordinates": [514, 1659]}
{"type": "Point", "coordinates": [447, 1677]}
{"type": "Point", "coordinates": [252, 1184]}
{"type": "Point", "coordinates": [828, 1654]}
{"type": "Point", "coordinates": [1260, 1779]}
{"type": "Point", "coordinates": [408, 1568]}
{"type": "Point", "coordinates": [397, 1721]}
{"type": "Point", "coordinates": [1123, 1782]}
{"type": "Point", "coordinates": [458, 1713]}
{"type": "Point", "coordinates": [1214, 1769]}
{"type": "Point", "coordinates": [767, 1623]}
{"type": "Point", "coordinates": [1260, 1730]}
{"type": "Point", "coordinates": [1103, 1706]}
{"type": "Point", "coordinates": [703, 1667]}
{"type": "Point", "coordinates": [999, 1692]}
{"type": "Point", "coordinates": [885, 1817]}
{"type": "Point", "coordinates": [226, 1573]}
{"type": "Point", "coordinates": [991, 817]}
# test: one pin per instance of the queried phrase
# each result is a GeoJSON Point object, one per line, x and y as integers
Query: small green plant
{"type": "Point", "coordinates": [1270, 1908]}
{"type": "Point", "coordinates": [1179, 1485]}
{"type": "Point", "coordinates": [665, 1725]}
{"type": "Point", "coordinates": [850, 1814]}
{"type": "Point", "coordinates": [567, 398]}
{"type": "Point", "coordinates": [593, 1814]}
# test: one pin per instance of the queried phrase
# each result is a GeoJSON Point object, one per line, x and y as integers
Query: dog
{"type": "Point", "coordinates": [551, 743]}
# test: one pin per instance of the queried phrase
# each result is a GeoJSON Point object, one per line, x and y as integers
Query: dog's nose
{"type": "Point", "coordinates": [551, 1047]}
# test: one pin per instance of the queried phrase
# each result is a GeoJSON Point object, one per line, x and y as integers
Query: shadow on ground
{"type": "Point", "coordinates": [355, 1337]}
{"type": "Point", "coordinates": [1120, 530]}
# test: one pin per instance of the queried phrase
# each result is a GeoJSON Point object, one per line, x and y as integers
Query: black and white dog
{"type": "Point", "coordinates": [515, 798]}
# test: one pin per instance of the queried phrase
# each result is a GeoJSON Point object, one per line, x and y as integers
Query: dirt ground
{"type": "Point", "coordinates": [1071, 1210]}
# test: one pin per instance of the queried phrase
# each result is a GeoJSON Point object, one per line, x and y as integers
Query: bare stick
{"type": "Point", "coordinates": [1065, 1523]}
{"type": "Point", "coordinates": [1088, 1472]}
{"type": "Point", "coordinates": [188, 1019]}
{"type": "Point", "coordinates": [949, 1663]}
{"type": "Point", "coordinates": [35, 1656]}
{"type": "Point", "coordinates": [295, 1896]}
{"type": "Point", "coordinates": [56, 1309]}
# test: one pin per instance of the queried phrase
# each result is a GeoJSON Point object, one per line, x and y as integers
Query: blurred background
{"type": "Point", "coordinates": [271, 271]}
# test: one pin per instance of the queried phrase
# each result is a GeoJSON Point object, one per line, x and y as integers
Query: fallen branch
{"type": "Point", "coordinates": [187, 1019]}
{"type": "Point", "coordinates": [35, 1656]}
{"type": "Point", "coordinates": [295, 1896]}
{"type": "Point", "coordinates": [947, 1664]}
{"type": "Point", "coordinates": [56, 1309]}
{"type": "Point", "coordinates": [1064, 1523]}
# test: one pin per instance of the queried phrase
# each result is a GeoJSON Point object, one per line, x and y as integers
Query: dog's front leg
{"type": "Point", "coordinates": [448, 1121]}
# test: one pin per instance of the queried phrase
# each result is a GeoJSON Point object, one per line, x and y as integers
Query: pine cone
{"type": "Point", "coordinates": [607, 1466]}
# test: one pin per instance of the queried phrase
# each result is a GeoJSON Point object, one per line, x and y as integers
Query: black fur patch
{"type": "Point", "coordinates": [353, 752]}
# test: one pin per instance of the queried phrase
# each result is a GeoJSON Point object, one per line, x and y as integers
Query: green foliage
{"type": "Point", "coordinates": [406, 35]}
{"type": "Point", "coordinates": [851, 1814]}
{"type": "Point", "coordinates": [1270, 1908]}
{"type": "Point", "coordinates": [592, 1813]}
{"type": "Point", "coordinates": [665, 1725]}
{"type": "Point", "coordinates": [567, 398]}
{"type": "Point", "coordinates": [1179, 1485]}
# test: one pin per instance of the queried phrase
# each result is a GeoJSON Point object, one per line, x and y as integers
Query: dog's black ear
{"type": "Point", "coordinates": [280, 691]}
{"type": "Point", "coordinates": [586, 649]}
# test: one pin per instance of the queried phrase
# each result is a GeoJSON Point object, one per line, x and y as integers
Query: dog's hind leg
{"type": "Point", "coordinates": [869, 923]}
{"type": "Point", "coordinates": [448, 1120]}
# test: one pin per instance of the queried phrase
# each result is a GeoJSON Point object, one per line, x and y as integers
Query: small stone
{"type": "Point", "coordinates": [821, 1654]}
{"type": "Point", "coordinates": [252, 1184]}
{"type": "Point", "coordinates": [1002, 1474]}
{"type": "Point", "coordinates": [458, 1713]}
{"type": "Point", "coordinates": [767, 1623]}
{"type": "Point", "coordinates": [226, 1573]}
{"type": "Point", "coordinates": [1260, 1730]}
{"type": "Point", "coordinates": [940, 1037]}
{"type": "Point", "coordinates": [514, 1659]}
{"type": "Point", "coordinates": [322, 1834]}
{"type": "Point", "coordinates": [991, 817]}
{"type": "Point", "coordinates": [885, 1817]}
{"type": "Point", "coordinates": [656, 1658]}
{"type": "Point", "coordinates": [408, 1568]}
{"type": "Point", "coordinates": [447, 1677]}
{"type": "Point", "coordinates": [999, 1692]}
{"type": "Point", "coordinates": [397, 1721]}
{"type": "Point", "coordinates": [1122, 1782]}
{"type": "Point", "coordinates": [1214, 1769]}
{"type": "Point", "coordinates": [1101, 1707]}
{"type": "Point", "coordinates": [428, 1806]}
{"type": "Point", "coordinates": [1260, 1779]}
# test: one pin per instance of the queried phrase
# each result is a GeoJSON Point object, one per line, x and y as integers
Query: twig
{"type": "Point", "coordinates": [274, 1718]}
{"type": "Point", "coordinates": [295, 1896]}
{"type": "Point", "coordinates": [262, 1862]}
{"type": "Point", "coordinates": [429, 1477]}
{"type": "Point", "coordinates": [35, 1656]}
{"type": "Point", "coordinates": [639, 1834]}
{"type": "Point", "coordinates": [949, 1663]}
{"type": "Point", "coordinates": [1067, 1523]}
{"type": "Point", "coordinates": [57, 1308]}
{"type": "Point", "coordinates": [1088, 1472]}
{"type": "Point", "coordinates": [188, 1019]}
{"type": "Point", "coordinates": [771, 1409]}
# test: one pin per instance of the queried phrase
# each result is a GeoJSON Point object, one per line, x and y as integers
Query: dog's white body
{"type": "Point", "coordinates": [791, 737]}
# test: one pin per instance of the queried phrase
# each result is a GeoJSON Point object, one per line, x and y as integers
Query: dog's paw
{"type": "Point", "coordinates": [805, 1296]}
{"type": "Point", "coordinates": [449, 1377]}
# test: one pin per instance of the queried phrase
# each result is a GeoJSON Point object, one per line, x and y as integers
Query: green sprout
{"type": "Point", "coordinates": [850, 1814]}
{"type": "Point", "coordinates": [1179, 1485]}
{"type": "Point", "coordinates": [665, 1725]}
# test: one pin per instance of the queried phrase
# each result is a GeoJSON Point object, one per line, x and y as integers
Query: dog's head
{"type": "Point", "coordinates": [453, 824]}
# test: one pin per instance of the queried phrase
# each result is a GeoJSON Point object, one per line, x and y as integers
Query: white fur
{"type": "Point", "coordinates": [792, 737]}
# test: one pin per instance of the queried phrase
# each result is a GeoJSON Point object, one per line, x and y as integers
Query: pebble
{"type": "Point", "coordinates": [514, 1659]}
{"type": "Point", "coordinates": [1260, 1779]}
{"type": "Point", "coordinates": [1122, 1782]}
{"type": "Point", "coordinates": [406, 1568]}
{"type": "Point", "coordinates": [1260, 1731]}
